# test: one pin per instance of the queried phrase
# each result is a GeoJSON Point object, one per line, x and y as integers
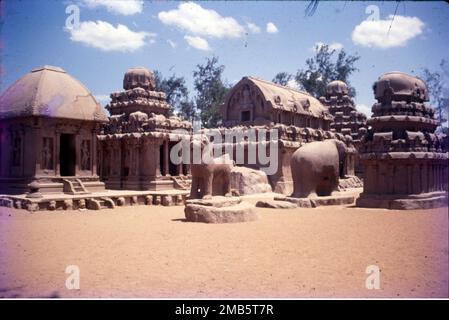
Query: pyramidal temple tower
{"type": "Point", "coordinates": [134, 147]}
{"type": "Point", "coordinates": [347, 120]}
{"type": "Point", "coordinates": [406, 162]}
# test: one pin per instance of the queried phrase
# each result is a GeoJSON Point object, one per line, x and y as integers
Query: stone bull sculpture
{"type": "Point", "coordinates": [316, 168]}
{"type": "Point", "coordinates": [212, 176]}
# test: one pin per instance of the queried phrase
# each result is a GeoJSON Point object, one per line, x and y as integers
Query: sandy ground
{"type": "Point", "coordinates": [151, 252]}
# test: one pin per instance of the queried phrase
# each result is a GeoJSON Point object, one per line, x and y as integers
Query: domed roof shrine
{"type": "Point", "coordinates": [48, 128]}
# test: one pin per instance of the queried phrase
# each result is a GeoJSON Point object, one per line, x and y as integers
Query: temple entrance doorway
{"type": "Point", "coordinates": [67, 154]}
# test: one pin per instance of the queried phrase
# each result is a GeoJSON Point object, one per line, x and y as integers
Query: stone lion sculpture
{"type": "Point", "coordinates": [212, 176]}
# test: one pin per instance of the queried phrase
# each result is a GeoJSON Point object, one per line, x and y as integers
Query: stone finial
{"type": "Point", "coordinates": [34, 190]}
{"type": "Point", "coordinates": [399, 86]}
{"type": "Point", "coordinates": [139, 77]}
{"type": "Point", "coordinates": [337, 88]}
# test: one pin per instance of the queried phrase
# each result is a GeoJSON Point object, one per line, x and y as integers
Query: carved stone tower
{"type": "Point", "coordinates": [406, 163]}
{"type": "Point", "coordinates": [134, 147]}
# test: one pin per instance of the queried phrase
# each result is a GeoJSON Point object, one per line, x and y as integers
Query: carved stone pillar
{"type": "Point", "coordinates": [157, 157]}
{"type": "Point", "coordinates": [166, 158]}
{"type": "Point", "coordinates": [93, 152]}
{"type": "Point", "coordinates": [57, 156]}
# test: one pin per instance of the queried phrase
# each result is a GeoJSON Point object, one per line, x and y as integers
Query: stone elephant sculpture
{"type": "Point", "coordinates": [211, 177]}
{"type": "Point", "coordinates": [316, 168]}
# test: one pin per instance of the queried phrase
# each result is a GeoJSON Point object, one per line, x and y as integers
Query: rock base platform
{"type": "Point", "coordinates": [333, 200]}
{"type": "Point", "coordinates": [424, 201]}
{"type": "Point", "coordinates": [276, 204]}
{"type": "Point", "coordinates": [219, 210]}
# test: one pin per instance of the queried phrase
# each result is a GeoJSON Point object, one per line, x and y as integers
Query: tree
{"type": "Point", "coordinates": [322, 69]}
{"type": "Point", "coordinates": [177, 95]}
{"type": "Point", "coordinates": [210, 91]}
{"type": "Point", "coordinates": [187, 110]}
{"type": "Point", "coordinates": [438, 92]}
{"type": "Point", "coordinates": [282, 78]}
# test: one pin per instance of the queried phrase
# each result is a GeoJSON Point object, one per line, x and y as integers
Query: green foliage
{"type": "Point", "coordinates": [177, 95]}
{"type": "Point", "coordinates": [282, 78]}
{"type": "Point", "coordinates": [439, 91]}
{"type": "Point", "coordinates": [210, 91]}
{"type": "Point", "coordinates": [324, 67]}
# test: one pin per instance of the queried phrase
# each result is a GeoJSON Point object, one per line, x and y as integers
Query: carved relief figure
{"type": "Point", "coordinates": [47, 154]}
{"type": "Point", "coordinates": [16, 151]}
{"type": "Point", "coordinates": [85, 155]}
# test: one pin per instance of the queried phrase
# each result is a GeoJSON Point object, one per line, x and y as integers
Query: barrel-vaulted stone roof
{"type": "Point", "coordinates": [286, 98]}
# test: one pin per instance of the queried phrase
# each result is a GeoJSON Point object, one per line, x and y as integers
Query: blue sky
{"type": "Point", "coordinates": [250, 38]}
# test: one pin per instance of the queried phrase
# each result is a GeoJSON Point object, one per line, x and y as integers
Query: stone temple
{"type": "Point", "coordinates": [134, 147]}
{"type": "Point", "coordinates": [297, 116]}
{"type": "Point", "coordinates": [347, 120]}
{"type": "Point", "coordinates": [406, 163]}
{"type": "Point", "coordinates": [59, 149]}
{"type": "Point", "coordinates": [48, 127]}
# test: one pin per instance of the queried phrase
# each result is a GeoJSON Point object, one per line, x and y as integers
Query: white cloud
{"type": "Point", "coordinates": [191, 17]}
{"type": "Point", "coordinates": [198, 43]}
{"type": "Point", "coordinates": [172, 43]}
{"type": "Point", "coordinates": [374, 33]}
{"type": "Point", "coordinates": [271, 28]}
{"type": "Point", "coordinates": [104, 36]}
{"type": "Point", "coordinates": [363, 108]}
{"type": "Point", "coordinates": [332, 46]}
{"type": "Point", "coordinates": [125, 7]}
{"type": "Point", "coordinates": [253, 28]}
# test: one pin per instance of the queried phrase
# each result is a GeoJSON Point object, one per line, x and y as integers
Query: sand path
{"type": "Point", "coordinates": [151, 252]}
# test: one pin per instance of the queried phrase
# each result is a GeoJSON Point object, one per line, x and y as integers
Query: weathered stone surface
{"type": "Point", "coordinates": [405, 162]}
{"type": "Point", "coordinates": [48, 113]}
{"type": "Point", "coordinates": [332, 201]}
{"type": "Point", "coordinates": [134, 200]}
{"type": "Point", "coordinates": [52, 205]}
{"type": "Point", "coordinates": [216, 201]}
{"type": "Point", "coordinates": [314, 202]}
{"type": "Point", "coordinates": [249, 181]}
{"type": "Point", "coordinates": [167, 200]}
{"type": "Point", "coordinates": [299, 202]}
{"type": "Point", "coordinates": [149, 200]}
{"type": "Point", "coordinates": [350, 182]}
{"type": "Point", "coordinates": [32, 207]}
{"type": "Point", "coordinates": [68, 204]}
{"type": "Point", "coordinates": [52, 87]}
{"type": "Point", "coordinates": [5, 202]}
{"type": "Point", "coordinates": [141, 128]}
{"type": "Point", "coordinates": [341, 105]}
{"type": "Point", "coordinates": [434, 200]}
{"type": "Point", "coordinates": [240, 212]}
{"type": "Point", "coordinates": [276, 204]}
{"type": "Point", "coordinates": [93, 204]}
{"type": "Point", "coordinates": [316, 168]}
{"type": "Point", "coordinates": [210, 178]}
{"type": "Point", "coordinates": [121, 201]}
{"type": "Point", "coordinates": [156, 200]}
{"type": "Point", "coordinates": [81, 204]}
